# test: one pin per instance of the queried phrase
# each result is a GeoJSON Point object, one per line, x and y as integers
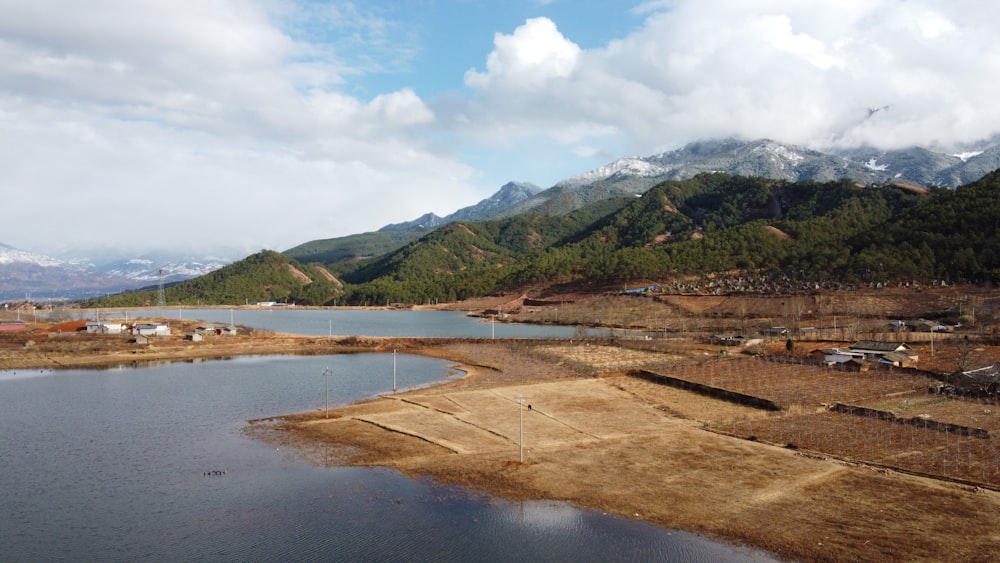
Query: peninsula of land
{"type": "Point", "coordinates": [529, 422]}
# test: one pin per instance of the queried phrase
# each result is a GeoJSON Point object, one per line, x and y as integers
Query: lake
{"type": "Point", "coordinates": [367, 322]}
{"type": "Point", "coordinates": [111, 466]}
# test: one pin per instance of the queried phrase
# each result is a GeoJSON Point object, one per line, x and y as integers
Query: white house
{"type": "Point", "coordinates": [151, 330]}
{"type": "Point", "coordinates": [103, 327]}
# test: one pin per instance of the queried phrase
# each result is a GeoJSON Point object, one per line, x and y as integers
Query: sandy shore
{"type": "Point", "coordinates": [640, 450]}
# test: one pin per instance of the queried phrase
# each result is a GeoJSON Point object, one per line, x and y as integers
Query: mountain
{"type": "Point", "coordinates": [713, 233]}
{"type": "Point", "coordinates": [24, 274]}
{"type": "Point", "coordinates": [497, 205]}
{"type": "Point", "coordinates": [393, 236]}
{"type": "Point", "coordinates": [425, 221]}
{"type": "Point", "coordinates": [264, 276]}
{"type": "Point", "coordinates": [148, 269]}
{"type": "Point", "coordinates": [771, 159]}
{"type": "Point", "coordinates": [508, 196]}
{"type": "Point", "coordinates": [626, 177]}
{"type": "Point", "coordinates": [763, 158]}
{"type": "Point", "coordinates": [633, 176]}
{"type": "Point", "coordinates": [10, 256]}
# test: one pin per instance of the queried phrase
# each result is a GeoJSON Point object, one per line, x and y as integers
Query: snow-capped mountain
{"type": "Point", "coordinates": [10, 255]}
{"type": "Point", "coordinates": [27, 275]}
{"type": "Point", "coordinates": [625, 167]}
{"type": "Point", "coordinates": [425, 221]}
{"type": "Point", "coordinates": [23, 273]}
{"type": "Point", "coordinates": [147, 270]}
{"type": "Point", "coordinates": [764, 158]}
{"type": "Point", "coordinates": [509, 195]}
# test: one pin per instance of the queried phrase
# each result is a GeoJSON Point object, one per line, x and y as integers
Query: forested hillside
{"type": "Point", "coordinates": [795, 235]}
{"type": "Point", "coordinates": [265, 276]}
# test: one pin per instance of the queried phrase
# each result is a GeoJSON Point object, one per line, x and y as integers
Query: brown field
{"type": "Point", "coordinates": [804, 483]}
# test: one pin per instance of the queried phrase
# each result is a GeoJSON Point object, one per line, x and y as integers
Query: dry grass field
{"type": "Point", "coordinates": [849, 489]}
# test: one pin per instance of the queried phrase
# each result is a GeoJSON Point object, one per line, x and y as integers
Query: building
{"type": "Point", "coordinates": [151, 330]}
{"type": "Point", "coordinates": [104, 327]}
{"type": "Point", "coordinates": [876, 349]}
{"type": "Point", "coordinates": [832, 356]}
{"type": "Point", "coordinates": [214, 330]}
{"type": "Point", "coordinates": [899, 359]}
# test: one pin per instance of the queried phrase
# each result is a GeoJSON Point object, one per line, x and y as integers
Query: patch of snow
{"type": "Point", "coordinates": [872, 165]}
{"type": "Point", "coordinates": [9, 255]}
{"type": "Point", "coordinates": [964, 156]}
{"type": "Point", "coordinates": [782, 152]}
{"type": "Point", "coordinates": [625, 166]}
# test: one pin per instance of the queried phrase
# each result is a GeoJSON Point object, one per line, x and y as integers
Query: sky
{"type": "Point", "coordinates": [230, 126]}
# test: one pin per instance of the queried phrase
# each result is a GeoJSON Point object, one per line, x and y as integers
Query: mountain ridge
{"type": "Point", "coordinates": [714, 234]}
{"type": "Point", "coordinates": [627, 176]}
{"type": "Point", "coordinates": [764, 158]}
{"type": "Point", "coordinates": [44, 277]}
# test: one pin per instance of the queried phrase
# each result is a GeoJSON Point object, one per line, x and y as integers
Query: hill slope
{"type": "Point", "coordinates": [265, 276]}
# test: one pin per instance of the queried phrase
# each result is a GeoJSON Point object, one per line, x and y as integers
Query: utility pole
{"type": "Point", "coordinates": [326, 378]}
{"type": "Point", "coordinates": [161, 299]}
{"type": "Point", "coordinates": [520, 414]}
{"type": "Point", "coordinates": [393, 370]}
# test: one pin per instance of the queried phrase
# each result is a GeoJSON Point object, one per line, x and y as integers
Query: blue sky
{"type": "Point", "coordinates": [235, 125]}
{"type": "Point", "coordinates": [444, 39]}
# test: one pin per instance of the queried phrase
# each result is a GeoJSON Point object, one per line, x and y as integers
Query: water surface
{"type": "Point", "coordinates": [366, 322]}
{"type": "Point", "coordinates": [110, 466]}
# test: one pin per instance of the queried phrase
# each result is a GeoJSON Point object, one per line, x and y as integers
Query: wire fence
{"type": "Point", "coordinates": [891, 419]}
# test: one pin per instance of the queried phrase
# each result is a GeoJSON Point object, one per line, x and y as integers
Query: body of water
{"type": "Point", "coordinates": [111, 466]}
{"type": "Point", "coordinates": [351, 322]}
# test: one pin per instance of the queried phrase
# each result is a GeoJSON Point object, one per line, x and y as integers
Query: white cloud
{"type": "Point", "coordinates": [252, 116]}
{"type": "Point", "coordinates": [201, 122]}
{"type": "Point", "coordinates": [799, 72]}
{"type": "Point", "coordinates": [533, 55]}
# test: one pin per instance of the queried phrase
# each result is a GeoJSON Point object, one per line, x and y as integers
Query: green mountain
{"type": "Point", "coordinates": [354, 247]}
{"type": "Point", "coordinates": [731, 233]}
{"type": "Point", "coordinates": [751, 234]}
{"type": "Point", "coordinates": [264, 276]}
{"type": "Point", "coordinates": [343, 251]}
